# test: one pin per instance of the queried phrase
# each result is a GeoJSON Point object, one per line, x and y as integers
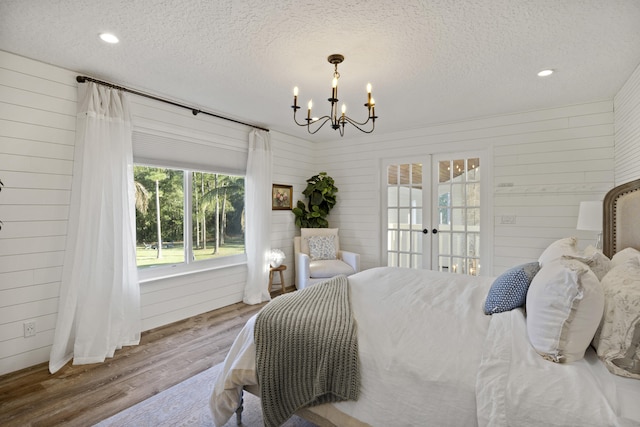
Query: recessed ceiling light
{"type": "Point", "coordinates": [109, 38]}
{"type": "Point", "coordinates": [545, 73]}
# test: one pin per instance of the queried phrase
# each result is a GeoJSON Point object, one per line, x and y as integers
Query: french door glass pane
{"type": "Point", "coordinates": [416, 219]}
{"type": "Point", "coordinates": [473, 244]}
{"type": "Point", "coordinates": [457, 195]}
{"type": "Point", "coordinates": [392, 258]}
{"type": "Point", "coordinates": [458, 244]}
{"type": "Point", "coordinates": [405, 239]}
{"type": "Point", "coordinates": [392, 218]}
{"type": "Point", "coordinates": [404, 219]}
{"type": "Point", "coordinates": [473, 169]}
{"type": "Point", "coordinates": [457, 219]}
{"type": "Point", "coordinates": [417, 261]}
{"type": "Point", "coordinates": [392, 240]}
{"type": "Point", "coordinates": [473, 219]}
{"type": "Point", "coordinates": [392, 196]}
{"type": "Point", "coordinates": [405, 260]}
{"type": "Point", "coordinates": [416, 243]}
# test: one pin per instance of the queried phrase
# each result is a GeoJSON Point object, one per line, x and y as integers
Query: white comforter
{"type": "Point", "coordinates": [427, 351]}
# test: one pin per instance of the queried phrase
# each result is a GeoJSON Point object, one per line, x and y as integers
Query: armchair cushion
{"type": "Point", "coordinates": [329, 268]}
{"type": "Point", "coordinates": [322, 248]}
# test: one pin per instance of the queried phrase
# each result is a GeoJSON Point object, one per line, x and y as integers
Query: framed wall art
{"type": "Point", "coordinates": [281, 197]}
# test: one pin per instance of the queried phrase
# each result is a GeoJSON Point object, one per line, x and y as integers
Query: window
{"type": "Point", "coordinates": [210, 235]}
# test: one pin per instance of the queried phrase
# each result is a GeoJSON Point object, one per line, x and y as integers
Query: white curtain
{"type": "Point", "coordinates": [258, 217]}
{"type": "Point", "coordinates": [99, 306]}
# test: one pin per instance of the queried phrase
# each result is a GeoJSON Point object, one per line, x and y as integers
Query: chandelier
{"type": "Point", "coordinates": [337, 121]}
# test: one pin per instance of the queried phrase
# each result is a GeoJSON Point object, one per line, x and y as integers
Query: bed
{"type": "Point", "coordinates": [443, 349]}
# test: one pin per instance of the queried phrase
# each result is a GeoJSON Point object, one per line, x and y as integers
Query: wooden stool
{"type": "Point", "coordinates": [279, 270]}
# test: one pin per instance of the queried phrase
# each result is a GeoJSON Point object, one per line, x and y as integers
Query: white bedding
{"type": "Point", "coordinates": [428, 351]}
{"type": "Point", "coordinates": [517, 387]}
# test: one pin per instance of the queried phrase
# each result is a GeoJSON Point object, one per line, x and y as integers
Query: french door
{"type": "Point", "coordinates": [433, 213]}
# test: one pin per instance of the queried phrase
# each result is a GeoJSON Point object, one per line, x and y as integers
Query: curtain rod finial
{"type": "Point", "coordinates": [81, 79]}
{"type": "Point", "coordinates": [195, 112]}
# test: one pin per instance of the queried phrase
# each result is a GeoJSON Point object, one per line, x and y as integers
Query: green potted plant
{"type": "Point", "coordinates": [321, 198]}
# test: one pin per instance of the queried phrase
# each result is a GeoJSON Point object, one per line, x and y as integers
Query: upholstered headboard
{"type": "Point", "coordinates": [621, 218]}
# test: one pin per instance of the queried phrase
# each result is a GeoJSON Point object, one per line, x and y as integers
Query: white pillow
{"type": "Point", "coordinates": [625, 254]}
{"type": "Point", "coordinates": [566, 246]}
{"type": "Point", "coordinates": [564, 308]}
{"type": "Point", "coordinates": [615, 336]}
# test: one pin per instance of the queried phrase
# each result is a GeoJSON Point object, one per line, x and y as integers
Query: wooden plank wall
{"type": "Point", "coordinates": [627, 108]}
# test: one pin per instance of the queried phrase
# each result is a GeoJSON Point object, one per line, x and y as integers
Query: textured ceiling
{"type": "Point", "coordinates": [429, 61]}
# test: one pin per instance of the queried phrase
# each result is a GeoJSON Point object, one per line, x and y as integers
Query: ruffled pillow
{"type": "Point", "coordinates": [565, 303]}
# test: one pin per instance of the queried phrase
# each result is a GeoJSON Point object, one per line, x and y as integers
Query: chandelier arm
{"type": "Point", "coordinates": [357, 125]}
{"type": "Point", "coordinates": [353, 122]}
{"type": "Point", "coordinates": [326, 119]}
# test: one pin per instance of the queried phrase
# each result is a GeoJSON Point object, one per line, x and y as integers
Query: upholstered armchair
{"type": "Point", "coordinates": [318, 256]}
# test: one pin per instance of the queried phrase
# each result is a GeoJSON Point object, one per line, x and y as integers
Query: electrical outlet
{"type": "Point", "coordinates": [30, 328]}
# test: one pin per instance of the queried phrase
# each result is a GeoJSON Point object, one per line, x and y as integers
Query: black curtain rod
{"type": "Point", "coordinates": [195, 112]}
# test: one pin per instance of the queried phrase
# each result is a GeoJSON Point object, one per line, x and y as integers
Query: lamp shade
{"type": "Point", "coordinates": [590, 216]}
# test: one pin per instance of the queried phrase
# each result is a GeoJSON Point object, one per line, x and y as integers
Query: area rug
{"type": "Point", "coordinates": [187, 404]}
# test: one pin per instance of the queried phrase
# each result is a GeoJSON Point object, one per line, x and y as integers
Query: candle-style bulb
{"type": "Point", "coordinates": [310, 104]}
{"type": "Point", "coordinates": [334, 82]}
{"type": "Point", "coordinates": [344, 109]}
{"type": "Point", "coordinates": [368, 87]}
{"type": "Point", "coordinates": [295, 91]}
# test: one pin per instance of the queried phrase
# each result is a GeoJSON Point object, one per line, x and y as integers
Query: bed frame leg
{"type": "Point", "coordinates": [239, 410]}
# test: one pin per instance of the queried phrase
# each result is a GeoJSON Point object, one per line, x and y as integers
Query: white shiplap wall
{"type": "Point", "coordinates": [549, 159]}
{"type": "Point", "coordinates": [37, 132]}
{"type": "Point", "coordinates": [627, 108]}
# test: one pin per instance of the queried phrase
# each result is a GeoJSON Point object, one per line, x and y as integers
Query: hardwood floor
{"type": "Point", "coordinates": [86, 394]}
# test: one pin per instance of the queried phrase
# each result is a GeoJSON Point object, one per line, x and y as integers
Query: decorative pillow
{"type": "Point", "coordinates": [305, 233]}
{"type": "Point", "coordinates": [618, 336]}
{"type": "Point", "coordinates": [321, 247]}
{"type": "Point", "coordinates": [598, 262]}
{"type": "Point", "coordinates": [557, 249]}
{"type": "Point", "coordinates": [509, 290]}
{"type": "Point", "coordinates": [622, 256]}
{"type": "Point", "coordinates": [564, 307]}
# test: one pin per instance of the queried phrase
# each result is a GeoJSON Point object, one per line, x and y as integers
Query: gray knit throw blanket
{"type": "Point", "coordinates": [306, 350]}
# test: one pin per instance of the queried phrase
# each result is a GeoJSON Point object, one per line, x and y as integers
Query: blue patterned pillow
{"type": "Point", "coordinates": [509, 290]}
{"type": "Point", "coordinates": [321, 247]}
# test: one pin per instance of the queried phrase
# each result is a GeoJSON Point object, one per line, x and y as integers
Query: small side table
{"type": "Point", "coordinates": [279, 269]}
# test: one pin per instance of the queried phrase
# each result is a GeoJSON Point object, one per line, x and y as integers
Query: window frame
{"type": "Point", "coordinates": [188, 266]}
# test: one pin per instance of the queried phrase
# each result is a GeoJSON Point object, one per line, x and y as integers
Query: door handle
{"type": "Point", "coordinates": [434, 231]}
{"type": "Point", "coordinates": [425, 231]}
